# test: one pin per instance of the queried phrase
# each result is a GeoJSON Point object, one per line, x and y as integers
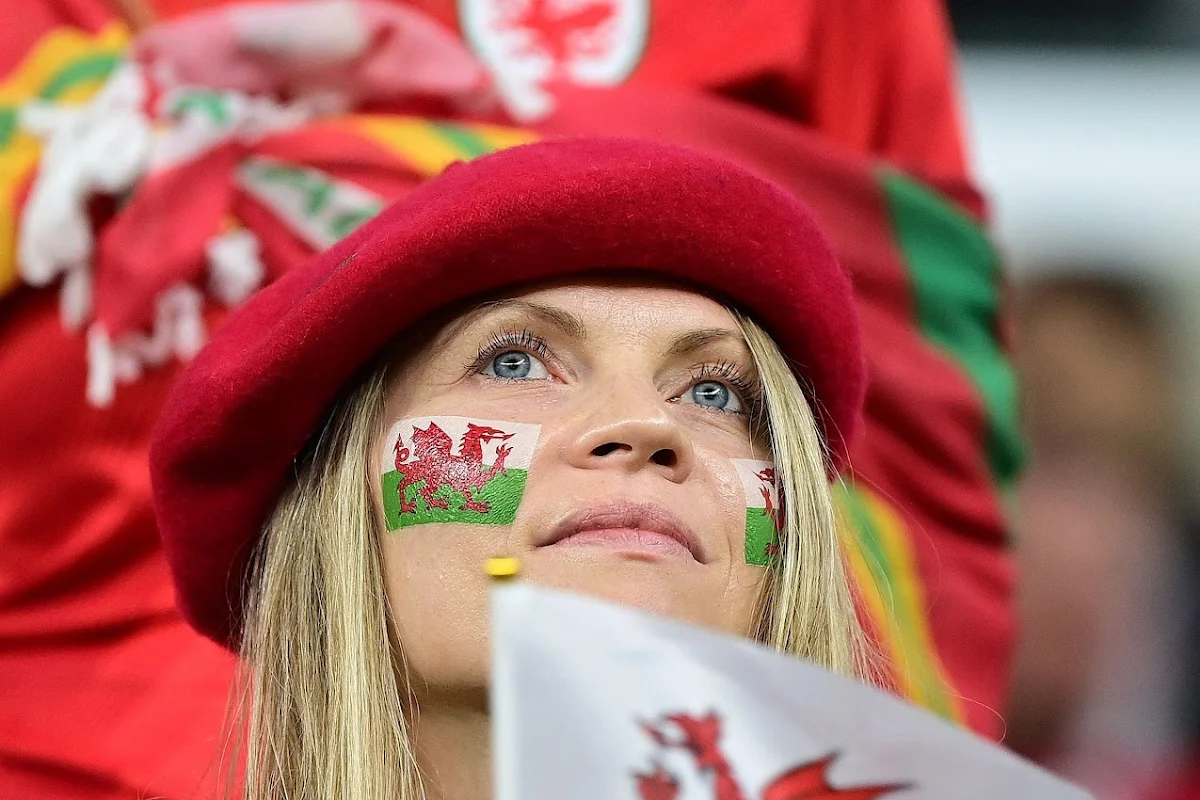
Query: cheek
{"type": "Point", "coordinates": [746, 505]}
{"type": "Point", "coordinates": [730, 507]}
{"type": "Point", "coordinates": [439, 600]}
{"type": "Point", "coordinates": [446, 491]}
{"type": "Point", "coordinates": [745, 581]}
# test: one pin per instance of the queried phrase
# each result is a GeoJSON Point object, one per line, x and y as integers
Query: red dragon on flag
{"type": "Point", "coordinates": [700, 737]}
{"type": "Point", "coordinates": [437, 466]}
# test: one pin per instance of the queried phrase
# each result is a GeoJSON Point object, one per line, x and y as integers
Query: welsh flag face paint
{"type": "Point", "coordinates": [763, 515]}
{"type": "Point", "coordinates": [455, 469]}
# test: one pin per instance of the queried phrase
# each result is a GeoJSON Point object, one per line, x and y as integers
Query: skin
{"type": "Point", "coordinates": [619, 421]}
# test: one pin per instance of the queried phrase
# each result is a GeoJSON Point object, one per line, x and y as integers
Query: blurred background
{"type": "Point", "coordinates": [1085, 125]}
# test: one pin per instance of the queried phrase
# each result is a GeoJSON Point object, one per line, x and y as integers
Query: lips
{"type": "Point", "coordinates": [630, 526]}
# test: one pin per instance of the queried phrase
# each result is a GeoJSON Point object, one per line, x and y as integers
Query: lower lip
{"type": "Point", "coordinates": [630, 540]}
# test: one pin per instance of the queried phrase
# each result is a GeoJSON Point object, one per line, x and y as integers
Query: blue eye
{"type": "Point", "coordinates": [516, 365]}
{"type": "Point", "coordinates": [713, 394]}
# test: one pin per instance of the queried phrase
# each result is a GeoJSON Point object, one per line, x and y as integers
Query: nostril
{"type": "Point", "coordinates": [609, 448]}
{"type": "Point", "coordinates": [664, 458]}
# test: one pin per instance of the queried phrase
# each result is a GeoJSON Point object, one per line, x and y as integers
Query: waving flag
{"type": "Point", "coordinates": [593, 702]}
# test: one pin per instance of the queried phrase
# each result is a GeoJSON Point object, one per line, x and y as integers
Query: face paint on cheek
{"type": "Point", "coordinates": [764, 518]}
{"type": "Point", "coordinates": [455, 469]}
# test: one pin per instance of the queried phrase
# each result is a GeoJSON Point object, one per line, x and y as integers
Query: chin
{"type": "Point", "coordinates": [663, 587]}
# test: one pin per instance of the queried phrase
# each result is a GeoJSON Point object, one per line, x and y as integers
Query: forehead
{"type": "Point", "coordinates": [632, 307]}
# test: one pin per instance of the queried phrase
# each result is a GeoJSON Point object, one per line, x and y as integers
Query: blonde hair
{"type": "Point", "coordinates": [808, 609]}
{"type": "Point", "coordinates": [323, 673]}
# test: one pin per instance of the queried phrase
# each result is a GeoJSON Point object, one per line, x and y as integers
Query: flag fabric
{"type": "Point", "coordinates": [593, 701]}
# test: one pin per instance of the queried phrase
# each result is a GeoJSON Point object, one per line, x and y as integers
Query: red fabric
{"type": "Point", "coordinates": [159, 238]}
{"type": "Point", "coordinates": [875, 76]}
{"type": "Point", "coordinates": [1184, 784]}
{"type": "Point", "coordinates": [105, 691]}
{"type": "Point", "coordinates": [145, 249]}
{"type": "Point", "coordinates": [20, 32]}
{"type": "Point", "coordinates": [411, 56]}
{"type": "Point", "coordinates": [540, 211]}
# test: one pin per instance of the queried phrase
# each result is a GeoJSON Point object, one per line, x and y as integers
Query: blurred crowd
{"type": "Point", "coordinates": [1105, 683]}
{"type": "Point", "coordinates": [1106, 686]}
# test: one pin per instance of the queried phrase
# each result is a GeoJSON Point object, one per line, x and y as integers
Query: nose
{"type": "Point", "coordinates": [633, 431]}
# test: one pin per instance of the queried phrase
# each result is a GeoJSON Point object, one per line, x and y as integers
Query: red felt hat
{"type": "Point", "coordinates": [244, 408]}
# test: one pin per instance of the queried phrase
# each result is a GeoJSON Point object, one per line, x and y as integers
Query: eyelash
{"type": "Point", "coordinates": [504, 340]}
{"type": "Point", "coordinates": [525, 339]}
{"type": "Point", "coordinates": [727, 372]}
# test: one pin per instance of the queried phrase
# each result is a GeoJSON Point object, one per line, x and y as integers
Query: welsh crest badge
{"type": "Point", "coordinates": [455, 469]}
{"type": "Point", "coordinates": [529, 46]}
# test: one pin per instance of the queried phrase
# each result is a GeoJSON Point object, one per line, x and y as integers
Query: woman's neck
{"type": "Point", "coordinates": [453, 745]}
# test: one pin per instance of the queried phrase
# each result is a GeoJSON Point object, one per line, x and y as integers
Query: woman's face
{"type": "Point", "coordinates": [619, 412]}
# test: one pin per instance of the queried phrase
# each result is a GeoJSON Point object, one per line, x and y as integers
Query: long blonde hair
{"type": "Point", "coordinates": [324, 689]}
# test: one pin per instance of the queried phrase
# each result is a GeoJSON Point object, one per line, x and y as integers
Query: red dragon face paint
{"type": "Point", "coordinates": [763, 515]}
{"type": "Point", "coordinates": [455, 469]}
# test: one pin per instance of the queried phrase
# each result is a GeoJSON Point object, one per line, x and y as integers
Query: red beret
{"type": "Point", "coordinates": [245, 407]}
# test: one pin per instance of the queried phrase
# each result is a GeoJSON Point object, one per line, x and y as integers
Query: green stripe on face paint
{"type": "Point", "coordinates": [955, 274]}
{"type": "Point", "coordinates": [760, 536]}
{"type": "Point", "coordinates": [502, 494]}
{"type": "Point", "coordinates": [463, 140]}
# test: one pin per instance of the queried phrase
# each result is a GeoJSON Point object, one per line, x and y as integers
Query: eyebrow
{"type": "Point", "coordinates": [567, 322]}
{"type": "Point", "coordinates": [690, 342]}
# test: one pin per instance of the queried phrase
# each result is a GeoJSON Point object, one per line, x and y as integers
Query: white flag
{"type": "Point", "coordinates": [592, 701]}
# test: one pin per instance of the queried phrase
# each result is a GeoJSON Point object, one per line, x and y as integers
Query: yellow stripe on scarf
{"type": "Point", "coordinates": [884, 568]}
{"type": "Point", "coordinates": [66, 66]}
{"type": "Point", "coordinates": [429, 147]}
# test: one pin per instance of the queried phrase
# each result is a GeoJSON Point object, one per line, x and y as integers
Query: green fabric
{"type": "Point", "coordinates": [213, 103]}
{"type": "Point", "coordinates": [861, 525]}
{"type": "Point", "coordinates": [955, 275]}
{"type": "Point", "coordinates": [346, 223]}
{"type": "Point", "coordinates": [463, 139]}
{"type": "Point", "coordinates": [855, 513]}
{"type": "Point", "coordinates": [8, 125]}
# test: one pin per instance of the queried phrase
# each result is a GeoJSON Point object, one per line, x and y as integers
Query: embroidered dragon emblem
{"type": "Point", "coordinates": [433, 466]}
{"type": "Point", "coordinates": [561, 35]}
